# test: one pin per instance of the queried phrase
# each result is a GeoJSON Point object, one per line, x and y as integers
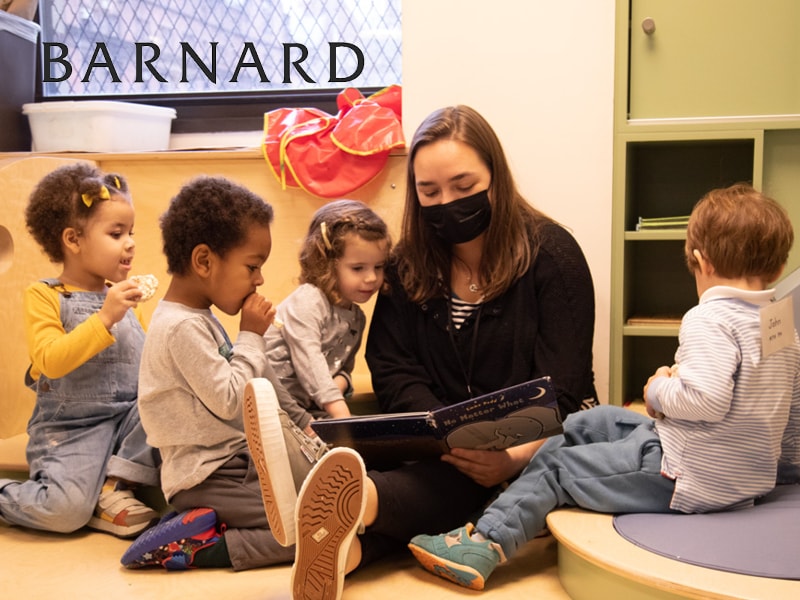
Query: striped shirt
{"type": "Point", "coordinates": [460, 310]}
{"type": "Point", "coordinates": [728, 409]}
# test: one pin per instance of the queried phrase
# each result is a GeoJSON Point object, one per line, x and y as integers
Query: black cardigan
{"type": "Point", "coordinates": [543, 325]}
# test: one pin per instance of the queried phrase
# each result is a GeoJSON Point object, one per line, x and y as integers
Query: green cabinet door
{"type": "Point", "coordinates": [714, 58]}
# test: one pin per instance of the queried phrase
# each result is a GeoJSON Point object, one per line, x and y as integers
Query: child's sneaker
{"type": "Point", "coordinates": [282, 453]}
{"type": "Point", "coordinates": [173, 543]}
{"type": "Point", "coordinates": [455, 556]}
{"type": "Point", "coordinates": [330, 509]}
{"type": "Point", "coordinates": [120, 513]}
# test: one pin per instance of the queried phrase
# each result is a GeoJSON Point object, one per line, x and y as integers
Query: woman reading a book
{"type": "Point", "coordinates": [485, 292]}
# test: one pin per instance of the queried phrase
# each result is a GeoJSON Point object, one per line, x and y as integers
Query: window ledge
{"type": "Point", "coordinates": [175, 154]}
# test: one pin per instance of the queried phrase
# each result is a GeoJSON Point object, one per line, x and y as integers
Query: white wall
{"type": "Point", "coordinates": [542, 73]}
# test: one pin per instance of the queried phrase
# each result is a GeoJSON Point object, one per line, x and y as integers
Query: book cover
{"type": "Point", "coordinates": [495, 421]}
{"type": "Point", "coordinates": [654, 320]}
{"type": "Point", "coordinates": [675, 222]}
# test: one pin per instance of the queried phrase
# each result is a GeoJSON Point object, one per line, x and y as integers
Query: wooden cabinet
{"type": "Point", "coordinates": [688, 120]}
{"type": "Point", "coordinates": [665, 174]}
{"type": "Point", "coordinates": [711, 58]}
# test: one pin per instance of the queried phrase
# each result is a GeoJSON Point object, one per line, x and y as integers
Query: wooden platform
{"type": "Point", "coordinates": [595, 562]}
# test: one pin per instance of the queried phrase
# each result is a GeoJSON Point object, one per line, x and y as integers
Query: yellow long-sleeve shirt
{"type": "Point", "coordinates": [52, 350]}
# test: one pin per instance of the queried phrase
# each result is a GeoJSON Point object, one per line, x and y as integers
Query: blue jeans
{"type": "Point", "coordinates": [608, 460]}
{"type": "Point", "coordinates": [85, 427]}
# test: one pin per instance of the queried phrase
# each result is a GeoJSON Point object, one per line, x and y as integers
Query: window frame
{"type": "Point", "coordinates": [212, 112]}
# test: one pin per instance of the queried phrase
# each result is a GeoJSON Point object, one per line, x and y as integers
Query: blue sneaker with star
{"type": "Point", "coordinates": [457, 557]}
{"type": "Point", "coordinates": [174, 541]}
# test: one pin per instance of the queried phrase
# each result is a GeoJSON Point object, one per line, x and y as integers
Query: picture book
{"type": "Point", "coordinates": [677, 222]}
{"type": "Point", "coordinates": [494, 421]}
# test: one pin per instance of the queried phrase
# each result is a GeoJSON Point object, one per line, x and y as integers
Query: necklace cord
{"type": "Point", "coordinates": [466, 373]}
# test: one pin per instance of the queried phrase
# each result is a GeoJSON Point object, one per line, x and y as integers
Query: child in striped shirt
{"type": "Point", "coordinates": [690, 454]}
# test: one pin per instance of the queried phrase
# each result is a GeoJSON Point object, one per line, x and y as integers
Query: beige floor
{"type": "Point", "coordinates": [86, 565]}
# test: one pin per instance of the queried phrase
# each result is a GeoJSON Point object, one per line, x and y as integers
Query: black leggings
{"type": "Point", "coordinates": [424, 497]}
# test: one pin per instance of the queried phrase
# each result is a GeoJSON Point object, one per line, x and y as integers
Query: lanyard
{"type": "Point", "coordinates": [467, 373]}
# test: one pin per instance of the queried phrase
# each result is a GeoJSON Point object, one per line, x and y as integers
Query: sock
{"type": "Point", "coordinates": [477, 536]}
{"type": "Point", "coordinates": [215, 556]}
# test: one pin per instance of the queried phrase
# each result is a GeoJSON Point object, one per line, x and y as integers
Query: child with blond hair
{"type": "Point", "coordinates": [313, 352]}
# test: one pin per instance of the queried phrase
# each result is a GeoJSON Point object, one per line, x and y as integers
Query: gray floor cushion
{"type": "Point", "coordinates": [763, 540]}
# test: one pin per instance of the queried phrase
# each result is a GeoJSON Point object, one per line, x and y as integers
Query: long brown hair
{"type": "Point", "coordinates": [511, 243]}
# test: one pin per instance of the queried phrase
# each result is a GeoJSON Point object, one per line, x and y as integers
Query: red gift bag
{"type": "Point", "coordinates": [331, 156]}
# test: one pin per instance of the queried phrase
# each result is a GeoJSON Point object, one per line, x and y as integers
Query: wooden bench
{"type": "Point", "coordinates": [154, 178]}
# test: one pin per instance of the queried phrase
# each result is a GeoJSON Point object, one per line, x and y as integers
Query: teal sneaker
{"type": "Point", "coordinates": [456, 557]}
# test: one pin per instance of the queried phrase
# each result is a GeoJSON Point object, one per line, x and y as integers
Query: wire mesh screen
{"type": "Point", "coordinates": [105, 47]}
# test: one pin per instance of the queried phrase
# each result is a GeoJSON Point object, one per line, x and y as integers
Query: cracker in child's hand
{"type": "Point", "coordinates": [147, 284]}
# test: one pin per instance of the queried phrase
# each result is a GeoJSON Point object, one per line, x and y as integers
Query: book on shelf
{"type": "Point", "coordinates": [654, 320]}
{"type": "Point", "coordinates": [494, 421]}
{"type": "Point", "coordinates": [675, 222]}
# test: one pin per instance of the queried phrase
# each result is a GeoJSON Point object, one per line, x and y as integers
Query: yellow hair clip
{"type": "Point", "coordinates": [103, 195]}
{"type": "Point", "coordinates": [324, 230]}
{"type": "Point", "coordinates": [117, 183]}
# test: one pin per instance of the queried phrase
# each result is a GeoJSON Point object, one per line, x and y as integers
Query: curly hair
{"type": "Point", "coordinates": [212, 211]}
{"type": "Point", "coordinates": [68, 197]}
{"type": "Point", "coordinates": [326, 241]}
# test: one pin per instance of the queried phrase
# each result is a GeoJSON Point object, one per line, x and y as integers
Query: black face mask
{"type": "Point", "coordinates": [461, 220]}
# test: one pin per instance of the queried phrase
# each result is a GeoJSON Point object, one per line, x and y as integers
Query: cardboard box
{"type": "Point", "coordinates": [98, 126]}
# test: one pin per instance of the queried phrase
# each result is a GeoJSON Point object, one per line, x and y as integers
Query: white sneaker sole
{"type": "Point", "coordinates": [329, 511]}
{"type": "Point", "coordinates": [262, 427]}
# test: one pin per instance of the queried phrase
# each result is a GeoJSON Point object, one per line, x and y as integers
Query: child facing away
{"type": "Point", "coordinates": [86, 447]}
{"type": "Point", "coordinates": [216, 238]}
{"type": "Point", "coordinates": [696, 455]}
{"type": "Point", "coordinates": [313, 351]}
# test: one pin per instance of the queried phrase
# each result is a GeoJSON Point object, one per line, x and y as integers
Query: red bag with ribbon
{"type": "Point", "coordinates": [331, 156]}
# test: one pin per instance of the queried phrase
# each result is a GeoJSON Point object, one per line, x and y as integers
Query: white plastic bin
{"type": "Point", "coordinates": [98, 126]}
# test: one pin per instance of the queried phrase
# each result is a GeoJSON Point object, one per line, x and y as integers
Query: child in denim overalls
{"type": "Point", "coordinates": [86, 446]}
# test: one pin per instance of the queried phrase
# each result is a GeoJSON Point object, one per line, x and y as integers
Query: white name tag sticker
{"type": "Point", "coordinates": [777, 326]}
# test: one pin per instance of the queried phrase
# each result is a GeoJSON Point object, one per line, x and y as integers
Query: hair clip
{"type": "Point", "coordinates": [324, 230]}
{"type": "Point", "coordinates": [103, 195]}
{"type": "Point", "coordinates": [117, 183]}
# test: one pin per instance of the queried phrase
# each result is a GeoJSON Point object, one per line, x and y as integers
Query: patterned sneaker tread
{"type": "Point", "coordinates": [457, 573]}
{"type": "Point", "coordinates": [267, 447]}
{"type": "Point", "coordinates": [331, 507]}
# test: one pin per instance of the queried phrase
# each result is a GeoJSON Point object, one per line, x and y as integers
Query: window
{"type": "Point", "coordinates": [220, 63]}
